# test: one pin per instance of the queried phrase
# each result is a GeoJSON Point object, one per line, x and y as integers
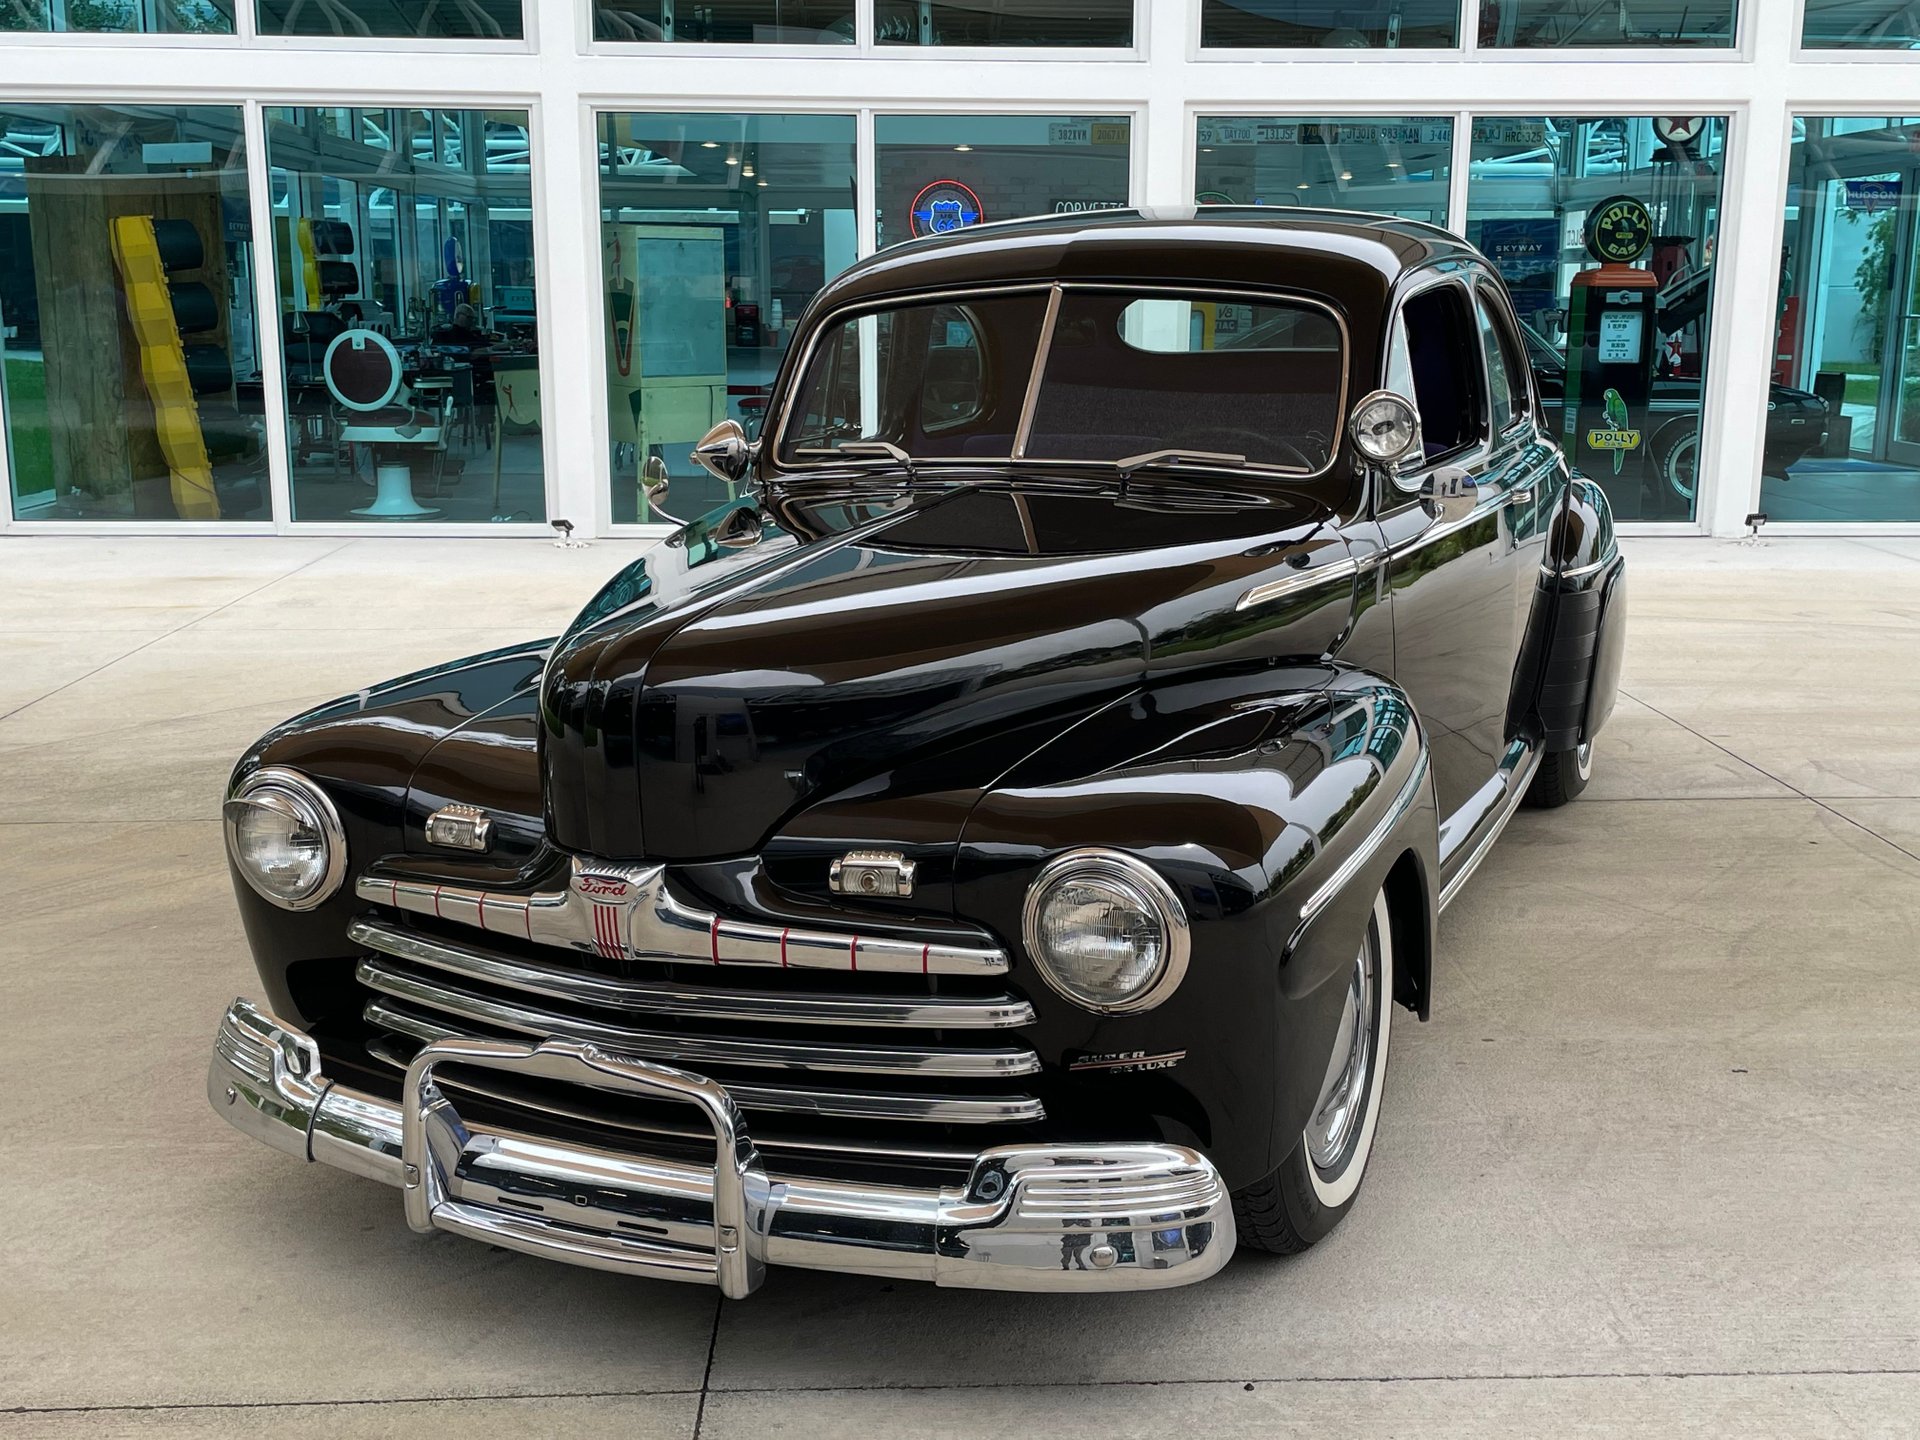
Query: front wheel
{"type": "Point", "coordinates": [1561, 776]}
{"type": "Point", "coordinates": [1315, 1185]}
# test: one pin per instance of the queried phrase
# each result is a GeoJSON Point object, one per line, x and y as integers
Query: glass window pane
{"type": "Point", "coordinates": [129, 346]}
{"type": "Point", "coordinates": [1843, 413]}
{"type": "Point", "coordinates": [1627, 414]}
{"type": "Point", "coordinates": [1397, 166]}
{"type": "Point", "coordinates": [715, 230]}
{"type": "Point", "coordinates": [403, 241]}
{"type": "Point", "coordinates": [359, 19]}
{"type": "Point", "coordinates": [944, 172]}
{"type": "Point", "coordinates": [945, 382]}
{"type": "Point", "coordinates": [1546, 24]}
{"type": "Point", "coordinates": [139, 17]}
{"type": "Point", "coordinates": [1305, 25]}
{"type": "Point", "coordinates": [1861, 25]}
{"type": "Point", "coordinates": [1003, 22]}
{"type": "Point", "coordinates": [732, 22]}
{"type": "Point", "coordinates": [1506, 393]}
{"type": "Point", "coordinates": [1126, 376]}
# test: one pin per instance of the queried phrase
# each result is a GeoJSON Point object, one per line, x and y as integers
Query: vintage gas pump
{"type": "Point", "coordinates": [1612, 345]}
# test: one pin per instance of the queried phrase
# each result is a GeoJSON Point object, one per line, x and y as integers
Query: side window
{"type": "Point", "coordinates": [1442, 356]}
{"type": "Point", "coordinates": [955, 375]}
{"type": "Point", "coordinates": [1506, 380]}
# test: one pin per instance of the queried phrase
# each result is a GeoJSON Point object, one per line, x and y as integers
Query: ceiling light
{"type": "Point", "coordinates": [733, 159]}
{"type": "Point", "coordinates": [763, 184]}
{"type": "Point", "coordinates": [709, 144]}
{"type": "Point", "coordinates": [747, 170]}
{"type": "Point", "coordinates": [1393, 164]}
{"type": "Point", "coordinates": [1346, 174]}
{"type": "Point", "coordinates": [962, 149]}
{"type": "Point", "coordinates": [1303, 186]}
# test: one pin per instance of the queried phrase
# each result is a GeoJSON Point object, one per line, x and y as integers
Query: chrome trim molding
{"type": "Point", "coordinates": [1028, 1217]}
{"type": "Point", "coordinates": [288, 782]}
{"type": "Point", "coordinates": [781, 1100]}
{"type": "Point", "coordinates": [1365, 851]}
{"type": "Point", "coordinates": [671, 997]}
{"type": "Point", "coordinates": [627, 912]}
{"type": "Point", "coordinates": [1300, 580]}
{"type": "Point", "coordinates": [1516, 779]}
{"type": "Point", "coordinates": [1137, 874]}
{"type": "Point", "coordinates": [691, 1049]}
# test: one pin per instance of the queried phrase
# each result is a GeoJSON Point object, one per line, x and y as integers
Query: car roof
{"type": "Point", "coordinates": [1349, 258]}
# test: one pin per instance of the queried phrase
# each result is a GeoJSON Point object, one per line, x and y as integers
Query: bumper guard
{"type": "Point", "coordinates": [1030, 1217]}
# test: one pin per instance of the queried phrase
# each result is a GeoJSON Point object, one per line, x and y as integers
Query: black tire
{"type": "Point", "coordinates": [1302, 1200]}
{"type": "Point", "coordinates": [1561, 776]}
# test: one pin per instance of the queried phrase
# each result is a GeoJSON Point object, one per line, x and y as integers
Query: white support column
{"type": "Point", "coordinates": [1746, 288]}
{"type": "Point", "coordinates": [573, 383]}
{"type": "Point", "coordinates": [267, 325]}
{"type": "Point", "coordinates": [1163, 153]}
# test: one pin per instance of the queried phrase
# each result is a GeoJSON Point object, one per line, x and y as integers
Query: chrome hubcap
{"type": "Point", "coordinates": [1680, 470]}
{"type": "Point", "coordinates": [1583, 759]}
{"type": "Point", "coordinates": [1343, 1094]}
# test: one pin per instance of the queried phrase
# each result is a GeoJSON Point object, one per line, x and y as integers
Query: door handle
{"type": "Point", "coordinates": [1522, 496]}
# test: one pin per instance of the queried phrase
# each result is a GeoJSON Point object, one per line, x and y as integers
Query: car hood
{"type": "Point", "coordinates": [707, 695]}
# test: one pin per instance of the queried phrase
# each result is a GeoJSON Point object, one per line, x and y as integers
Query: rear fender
{"type": "Point", "coordinates": [1569, 670]}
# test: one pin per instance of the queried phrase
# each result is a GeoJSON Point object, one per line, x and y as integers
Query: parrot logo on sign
{"type": "Point", "coordinates": [1615, 436]}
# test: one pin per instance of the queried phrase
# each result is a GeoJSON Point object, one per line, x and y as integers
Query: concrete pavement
{"type": "Point", "coordinates": [1651, 1168]}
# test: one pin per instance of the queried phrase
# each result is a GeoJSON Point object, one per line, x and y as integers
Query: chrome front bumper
{"type": "Point", "coordinates": [1030, 1217]}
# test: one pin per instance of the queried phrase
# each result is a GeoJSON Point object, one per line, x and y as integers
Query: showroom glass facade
{"type": "Point", "coordinates": [1396, 165]}
{"type": "Point", "coordinates": [1843, 430]}
{"type": "Point", "coordinates": [1531, 185]}
{"type": "Point", "coordinates": [715, 232]}
{"type": "Point", "coordinates": [129, 344]}
{"type": "Point", "coordinates": [944, 172]}
{"type": "Point", "coordinates": [736, 155]}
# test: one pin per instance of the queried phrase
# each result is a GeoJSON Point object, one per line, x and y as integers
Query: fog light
{"type": "Point", "coordinates": [1106, 931]}
{"type": "Point", "coordinates": [285, 838]}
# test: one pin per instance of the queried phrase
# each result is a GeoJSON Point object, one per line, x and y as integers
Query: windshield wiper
{"type": "Point", "coordinates": [1176, 455]}
{"type": "Point", "coordinates": [864, 449]}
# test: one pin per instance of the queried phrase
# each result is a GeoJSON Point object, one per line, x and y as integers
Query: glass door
{"type": "Point", "coordinates": [1903, 335]}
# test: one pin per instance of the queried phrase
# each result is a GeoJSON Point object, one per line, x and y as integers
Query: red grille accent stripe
{"type": "Point", "coordinates": [926, 957]}
{"type": "Point", "coordinates": [713, 939]}
{"type": "Point", "coordinates": [853, 953]}
{"type": "Point", "coordinates": [783, 949]}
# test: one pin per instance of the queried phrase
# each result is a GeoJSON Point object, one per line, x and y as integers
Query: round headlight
{"type": "Point", "coordinates": [1385, 426]}
{"type": "Point", "coordinates": [285, 837]}
{"type": "Point", "coordinates": [1106, 930]}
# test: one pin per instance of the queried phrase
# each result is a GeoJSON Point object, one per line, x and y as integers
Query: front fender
{"type": "Point", "coordinates": [1276, 803]}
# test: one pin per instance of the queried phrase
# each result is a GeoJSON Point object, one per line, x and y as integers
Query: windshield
{"type": "Point", "coordinates": [1127, 378]}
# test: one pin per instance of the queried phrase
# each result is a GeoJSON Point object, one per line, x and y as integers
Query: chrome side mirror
{"type": "Point", "coordinates": [653, 490]}
{"type": "Point", "coordinates": [1450, 494]}
{"type": "Point", "coordinates": [723, 452]}
{"type": "Point", "coordinates": [1386, 428]}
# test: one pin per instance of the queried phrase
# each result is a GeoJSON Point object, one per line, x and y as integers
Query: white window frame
{"type": "Point", "coordinates": [563, 79]}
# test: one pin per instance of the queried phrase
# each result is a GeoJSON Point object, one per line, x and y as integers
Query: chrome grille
{"type": "Point", "coordinates": [813, 1051]}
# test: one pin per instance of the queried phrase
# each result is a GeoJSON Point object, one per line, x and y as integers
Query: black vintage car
{"type": "Point", "coordinates": [992, 849]}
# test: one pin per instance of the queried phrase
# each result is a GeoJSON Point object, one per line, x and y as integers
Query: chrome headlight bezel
{"type": "Point", "coordinates": [1141, 882]}
{"type": "Point", "coordinates": [288, 792]}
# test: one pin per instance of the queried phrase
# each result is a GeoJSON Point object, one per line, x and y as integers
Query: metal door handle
{"type": "Point", "coordinates": [1522, 496]}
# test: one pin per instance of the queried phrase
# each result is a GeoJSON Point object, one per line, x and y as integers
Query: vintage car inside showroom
{"type": "Point", "coordinates": [870, 718]}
